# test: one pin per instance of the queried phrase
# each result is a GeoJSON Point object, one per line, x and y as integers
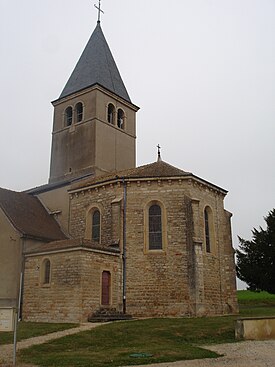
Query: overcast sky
{"type": "Point", "coordinates": [202, 72]}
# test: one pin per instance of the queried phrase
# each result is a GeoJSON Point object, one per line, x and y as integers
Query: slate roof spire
{"type": "Point", "coordinates": [96, 66]}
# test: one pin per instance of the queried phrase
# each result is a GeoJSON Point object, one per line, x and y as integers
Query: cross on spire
{"type": "Point", "coordinates": [159, 156]}
{"type": "Point", "coordinates": [99, 10]}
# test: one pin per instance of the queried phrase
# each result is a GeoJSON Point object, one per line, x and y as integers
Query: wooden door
{"type": "Point", "coordinates": [106, 287]}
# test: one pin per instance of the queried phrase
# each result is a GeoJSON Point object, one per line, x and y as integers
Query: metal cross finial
{"type": "Point", "coordinates": [99, 10]}
{"type": "Point", "coordinates": [159, 148]}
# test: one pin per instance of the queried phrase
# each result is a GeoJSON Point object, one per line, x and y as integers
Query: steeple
{"type": "Point", "coordinates": [94, 127]}
{"type": "Point", "coordinates": [96, 66]}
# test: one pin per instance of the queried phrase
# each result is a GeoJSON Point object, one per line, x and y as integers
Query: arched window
{"type": "Point", "coordinates": [155, 227]}
{"type": "Point", "coordinates": [46, 271]}
{"type": "Point", "coordinates": [208, 229]}
{"type": "Point", "coordinates": [120, 118]}
{"type": "Point", "coordinates": [111, 113]}
{"type": "Point", "coordinates": [79, 111]}
{"type": "Point", "coordinates": [96, 226]}
{"type": "Point", "coordinates": [68, 116]}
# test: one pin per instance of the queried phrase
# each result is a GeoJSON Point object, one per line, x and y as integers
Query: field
{"type": "Point", "coordinates": [147, 341]}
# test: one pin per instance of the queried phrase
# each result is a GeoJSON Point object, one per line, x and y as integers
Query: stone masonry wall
{"type": "Point", "coordinates": [183, 278]}
{"type": "Point", "coordinates": [157, 281]}
{"type": "Point", "coordinates": [75, 286]}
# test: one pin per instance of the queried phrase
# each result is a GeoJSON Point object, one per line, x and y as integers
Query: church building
{"type": "Point", "coordinates": [104, 237]}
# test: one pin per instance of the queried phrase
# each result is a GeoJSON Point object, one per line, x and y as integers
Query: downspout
{"type": "Point", "coordinates": [21, 285]}
{"type": "Point", "coordinates": [124, 244]}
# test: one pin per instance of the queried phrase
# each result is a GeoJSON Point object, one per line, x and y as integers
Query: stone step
{"type": "Point", "coordinates": [107, 314]}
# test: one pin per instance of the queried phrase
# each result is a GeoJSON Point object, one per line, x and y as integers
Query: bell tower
{"type": "Point", "coordinates": [94, 127]}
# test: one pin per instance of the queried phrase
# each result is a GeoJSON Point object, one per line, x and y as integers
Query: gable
{"type": "Point", "coordinates": [28, 215]}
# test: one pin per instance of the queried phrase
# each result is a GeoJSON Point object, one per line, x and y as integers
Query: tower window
{"type": "Point", "coordinates": [111, 113]}
{"type": "Point", "coordinates": [96, 226]}
{"type": "Point", "coordinates": [155, 228]}
{"type": "Point", "coordinates": [120, 118]}
{"type": "Point", "coordinates": [68, 116]}
{"type": "Point", "coordinates": [79, 112]}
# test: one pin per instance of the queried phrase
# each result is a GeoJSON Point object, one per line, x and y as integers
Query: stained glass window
{"type": "Point", "coordinates": [207, 230]}
{"type": "Point", "coordinates": [47, 271]}
{"type": "Point", "coordinates": [155, 228]}
{"type": "Point", "coordinates": [96, 226]}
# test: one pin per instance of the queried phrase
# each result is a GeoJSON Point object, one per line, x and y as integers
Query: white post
{"type": "Point", "coordinates": [15, 336]}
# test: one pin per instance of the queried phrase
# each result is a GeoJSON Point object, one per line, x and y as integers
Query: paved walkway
{"type": "Point", "coordinates": [6, 351]}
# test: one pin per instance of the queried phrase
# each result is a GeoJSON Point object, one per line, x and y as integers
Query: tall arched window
{"type": "Point", "coordinates": [68, 116]}
{"type": "Point", "coordinates": [120, 118]}
{"type": "Point", "coordinates": [96, 226]}
{"type": "Point", "coordinates": [155, 227]}
{"type": "Point", "coordinates": [111, 113]}
{"type": "Point", "coordinates": [46, 271]}
{"type": "Point", "coordinates": [79, 111]}
{"type": "Point", "coordinates": [208, 229]}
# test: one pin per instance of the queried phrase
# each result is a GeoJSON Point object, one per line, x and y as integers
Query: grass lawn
{"type": "Point", "coordinates": [112, 344]}
{"type": "Point", "coordinates": [256, 303]}
{"type": "Point", "coordinates": [30, 329]}
{"type": "Point", "coordinates": [166, 339]}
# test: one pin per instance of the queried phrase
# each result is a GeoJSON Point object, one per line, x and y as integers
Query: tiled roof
{"type": "Point", "coordinates": [159, 169]}
{"type": "Point", "coordinates": [96, 66]}
{"type": "Point", "coordinates": [29, 216]}
{"type": "Point", "coordinates": [71, 244]}
{"type": "Point", "coordinates": [152, 170]}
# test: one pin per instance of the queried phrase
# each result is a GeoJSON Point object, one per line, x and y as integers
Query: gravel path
{"type": "Point", "coordinates": [243, 354]}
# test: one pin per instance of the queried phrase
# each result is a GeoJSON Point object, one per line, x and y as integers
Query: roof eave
{"type": "Point", "coordinates": [121, 179]}
{"type": "Point", "coordinates": [68, 96]}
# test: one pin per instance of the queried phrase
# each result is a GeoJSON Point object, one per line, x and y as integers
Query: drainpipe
{"type": "Point", "coordinates": [124, 244]}
{"type": "Point", "coordinates": [21, 284]}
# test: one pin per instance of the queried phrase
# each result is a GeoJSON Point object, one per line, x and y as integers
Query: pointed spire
{"type": "Point", "coordinates": [96, 66]}
{"type": "Point", "coordinates": [159, 156]}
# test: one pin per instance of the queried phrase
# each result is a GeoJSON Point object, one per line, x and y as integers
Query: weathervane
{"type": "Point", "coordinates": [99, 10]}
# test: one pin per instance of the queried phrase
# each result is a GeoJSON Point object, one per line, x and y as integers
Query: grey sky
{"type": "Point", "coordinates": [202, 71]}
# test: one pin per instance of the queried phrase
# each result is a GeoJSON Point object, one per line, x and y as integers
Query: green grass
{"type": "Point", "coordinates": [111, 345]}
{"type": "Point", "coordinates": [248, 297]}
{"type": "Point", "coordinates": [167, 339]}
{"type": "Point", "coordinates": [253, 304]}
{"type": "Point", "coordinates": [28, 330]}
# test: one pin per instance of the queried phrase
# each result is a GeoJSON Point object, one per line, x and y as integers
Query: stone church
{"type": "Point", "coordinates": [104, 236]}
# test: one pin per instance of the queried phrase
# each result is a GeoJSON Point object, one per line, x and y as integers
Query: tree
{"type": "Point", "coordinates": [256, 258]}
